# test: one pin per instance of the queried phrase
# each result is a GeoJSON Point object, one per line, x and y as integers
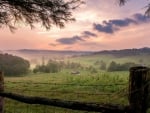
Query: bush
{"type": "Point", "coordinates": [73, 65]}
{"type": "Point", "coordinates": [92, 69]}
{"type": "Point", "coordinates": [13, 65]}
{"type": "Point", "coordinates": [50, 67]}
{"type": "Point", "coordinates": [102, 65]}
{"type": "Point", "coordinates": [53, 66]}
{"type": "Point", "coordinates": [113, 66]}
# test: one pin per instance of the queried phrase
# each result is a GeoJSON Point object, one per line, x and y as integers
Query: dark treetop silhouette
{"type": "Point", "coordinates": [30, 12]}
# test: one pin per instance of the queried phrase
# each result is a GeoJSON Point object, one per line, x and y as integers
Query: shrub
{"type": "Point", "coordinates": [102, 65]}
{"type": "Point", "coordinates": [113, 66]}
{"type": "Point", "coordinates": [50, 67]}
{"type": "Point", "coordinates": [92, 69]}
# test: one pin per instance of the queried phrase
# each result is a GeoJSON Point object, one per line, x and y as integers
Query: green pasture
{"type": "Point", "coordinates": [99, 87]}
{"type": "Point", "coordinates": [86, 87]}
{"type": "Point", "coordinates": [91, 59]}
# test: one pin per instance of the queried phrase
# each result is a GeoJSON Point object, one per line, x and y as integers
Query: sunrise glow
{"type": "Point", "coordinates": [99, 25]}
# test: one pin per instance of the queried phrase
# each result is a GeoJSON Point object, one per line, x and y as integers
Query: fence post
{"type": "Point", "coordinates": [1, 90]}
{"type": "Point", "coordinates": [138, 89]}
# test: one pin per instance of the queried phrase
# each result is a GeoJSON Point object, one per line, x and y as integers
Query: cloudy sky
{"type": "Point", "coordinates": [99, 25]}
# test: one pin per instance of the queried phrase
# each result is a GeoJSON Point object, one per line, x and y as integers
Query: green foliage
{"type": "Point", "coordinates": [73, 65]}
{"type": "Point", "coordinates": [113, 66]}
{"type": "Point", "coordinates": [102, 65]}
{"type": "Point", "coordinates": [50, 67]}
{"type": "Point", "coordinates": [13, 65]}
{"type": "Point", "coordinates": [55, 87]}
{"type": "Point", "coordinates": [53, 66]}
{"type": "Point", "coordinates": [91, 69]}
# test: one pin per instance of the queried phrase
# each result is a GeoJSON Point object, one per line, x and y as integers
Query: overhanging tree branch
{"type": "Point", "coordinates": [147, 12]}
{"type": "Point", "coordinates": [122, 2]}
{"type": "Point", "coordinates": [30, 12]}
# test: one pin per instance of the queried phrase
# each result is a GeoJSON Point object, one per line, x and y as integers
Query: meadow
{"type": "Point", "coordinates": [91, 59]}
{"type": "Point", "coordinates": [97, 87]}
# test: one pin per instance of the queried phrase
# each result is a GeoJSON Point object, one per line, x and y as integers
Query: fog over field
{"type": "Point", "coordinates": [37, 56]}
{"type": "Point", "coordinates": [74, 56]}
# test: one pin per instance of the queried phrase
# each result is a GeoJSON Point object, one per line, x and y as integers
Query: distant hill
{"type": "Point", "coordinates": [50, 54]}
{"type": "Point", "coordinates": [125, 52]}
{"type": "Point", "coordinates": [34, 51]}
{"type": "Point", "coordinates": [138, 56]}
{"type": "Point", "coordinates": [87, 57]}
{"type": "Point", "coordinates": [31, 54]}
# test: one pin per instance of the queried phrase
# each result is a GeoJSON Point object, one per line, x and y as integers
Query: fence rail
{"type": "Point", "coordinates": [91, 85]}
{"type": "Point", "coordinates": [74, 105]}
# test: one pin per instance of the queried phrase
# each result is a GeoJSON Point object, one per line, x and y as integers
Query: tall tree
{"type": "Point", "coordinates": [31, 12]}
{"type": "Point", "coordinates": [147, 12]}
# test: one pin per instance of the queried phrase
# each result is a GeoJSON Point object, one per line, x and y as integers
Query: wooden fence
{"type": "Point", "coordinates": [138, 96]}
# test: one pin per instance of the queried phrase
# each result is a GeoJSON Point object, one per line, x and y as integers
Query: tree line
{"type": "Point", "coordinates": [13, 65]}
{"type": "Point", "coordinates": [54, 66]}
{"type": "Point", "coordinates": [114, 66]}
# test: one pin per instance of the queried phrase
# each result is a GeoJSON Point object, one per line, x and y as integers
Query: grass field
{"type": "Point", "coordinates": [91, 59]}
{"type": "Point", "coordinates": [99, 88]}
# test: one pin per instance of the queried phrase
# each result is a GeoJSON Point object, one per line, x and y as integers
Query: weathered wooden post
{"type": "Point", "coordinates": [1, 90]}
{"type": "Point", "coordinates": [138, 89]}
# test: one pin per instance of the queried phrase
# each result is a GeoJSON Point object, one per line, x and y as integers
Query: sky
{"type": "Point", "coordinates": [99, 25]}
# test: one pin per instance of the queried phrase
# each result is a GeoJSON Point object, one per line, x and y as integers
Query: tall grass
{"type": "Point", "coordinates": [87, 87]}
